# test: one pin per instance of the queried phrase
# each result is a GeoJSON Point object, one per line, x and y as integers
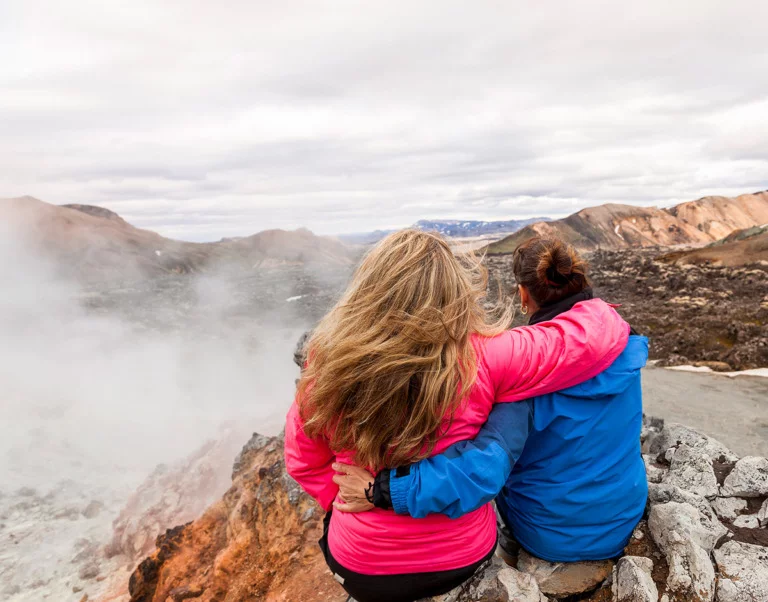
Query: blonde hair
{"type": "Point", "coordinates": [394, 357]}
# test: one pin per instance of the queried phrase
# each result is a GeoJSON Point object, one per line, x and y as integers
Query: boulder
{"type": "Point", "coordinates": [691, 469]}
{"type": "Point", "coordinates": [495, 582]}
{"type": "Point", "coordinates": [762, 514]}
{"type": "Point", "coordinates": [654, 471]}
{"type": "Point", "coordinates": [562, 579]}
{"type": "Point", "coordinates": [632, 580]}
{"type": "Point", "coordinates": [743, 573]}
{"type": "Point", "coordinates": [661, 494]}
{"type": "Point", "coordinates": [746, 521]}
{"type": "Point", "coordinates": [675, 435]}
{"type": "Point", "coordinates": [678, 531]}
{"type": "Point", "coordinates": [728, 508]}
{"type": "Point", "coordinates": [652, 426]}
{"type": "Point", "coordinates": [749, 478]}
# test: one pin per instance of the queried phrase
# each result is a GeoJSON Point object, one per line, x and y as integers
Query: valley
{"type": "Point", "coordinates": [135, 377]}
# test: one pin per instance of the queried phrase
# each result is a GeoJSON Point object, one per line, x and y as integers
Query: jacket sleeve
{"type": "Point", "coordinates": [568, 350]}
{"type": "Point", "coordinates": [469, 473]}
{"type": "Point", "coordinates": [309, 461]}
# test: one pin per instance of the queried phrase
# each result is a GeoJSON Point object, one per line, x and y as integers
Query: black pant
{"type": "Point", "coordinates": [404, 587]}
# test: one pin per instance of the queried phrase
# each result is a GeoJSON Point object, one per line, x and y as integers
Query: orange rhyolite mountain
{"type": "Point", "coordinates": [614, 226]}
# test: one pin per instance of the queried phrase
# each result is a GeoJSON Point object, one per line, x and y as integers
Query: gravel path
{"type": "Point", "coordinates": [733, 410]}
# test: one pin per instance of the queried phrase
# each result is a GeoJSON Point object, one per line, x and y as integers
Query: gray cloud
{"type": "Point", "coordinates": [205, 120]}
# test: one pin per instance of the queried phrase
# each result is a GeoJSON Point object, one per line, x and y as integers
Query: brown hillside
{"type": "Point", "coordinates": [96, 245]}
{"type": "Point", "coordinates": [614, 226]}
{"type": "Point", "coordinates": [737, 249]}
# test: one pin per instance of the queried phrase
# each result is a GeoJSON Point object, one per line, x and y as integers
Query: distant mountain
{"type": "Point", "coordinates": [614, 226]}
{"type": "Point", "coordinates": [94, 244]}
{"type": "Point", "coordinates": [742, 247]}
{"type": "Point", "coordinates": [364, 238]}
{"type": "Point", "coordinates": [468, 228]}
{"type": "Point", "coordinates": [450, 228]}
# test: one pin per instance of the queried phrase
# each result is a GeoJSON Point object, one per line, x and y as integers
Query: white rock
{"type": "Point", "coordinates": [495, 581]}
{"type": "Point", "coordinates": [662, 493]}
{"type": "Point", "coordinates": [728, 508]}
{"type": "Point", "coordinates": [762, 514]}
{"type": "Point", "coordinates": [743, 573]}
{"type": "Point", "coordinates": [749, 478]}
{"type": "Point", "coordinates": [632, 580]}
{"type": "Point", "coordinates": [747, 521]}
{"type": "Point", "coordinates": [691, 470]}
{"type": "Point", "coordinates": [678, 531]}
{"type": "Point", "coordinates": [653, 471]}
{"type": "Point", "coordinates": [520, 586]}
{"type": "Point", "coordinates": [674, 435]}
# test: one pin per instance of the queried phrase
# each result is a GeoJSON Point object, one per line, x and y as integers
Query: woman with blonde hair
{"type": "Point", "coordinates": [407, 363]}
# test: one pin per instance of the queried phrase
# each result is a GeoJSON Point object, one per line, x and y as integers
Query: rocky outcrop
{"type": "Point", "coordinates": [743, 572]}
{"type": "Point", "coordinates": [259, 542]}
{"type": "Point", "coordinates": [701, 540]}
{"type": "Point", "coordinates": [693, 520]}
{"type": "Point", "coordinates": [174, 495]}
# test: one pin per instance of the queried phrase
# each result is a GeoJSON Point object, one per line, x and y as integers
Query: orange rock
{"type": "Point", "coordinates": [259, 542]}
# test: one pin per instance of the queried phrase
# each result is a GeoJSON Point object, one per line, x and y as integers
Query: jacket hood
{"type": "Point", "coordinates": [618, 376]}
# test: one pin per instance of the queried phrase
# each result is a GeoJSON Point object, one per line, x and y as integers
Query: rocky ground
{"type": "Point", "coordinates": [58, 542]}
{"type": "Point", "coordinates": [703, 539]}
{"type": "Point", "coordinates": [692, 314]}
{"type": "Point", "coordinates": [106, 383]}
{"type": "Point", "coordinates": [292, 294]}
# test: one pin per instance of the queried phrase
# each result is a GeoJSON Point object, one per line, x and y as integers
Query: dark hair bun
{"type": "Point", "coordinates": [550, 269]}
{"type": "Point", "coordinates": [556, 266]}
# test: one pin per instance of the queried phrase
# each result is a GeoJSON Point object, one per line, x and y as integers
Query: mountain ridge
{"type": "Point", "coordinates": [94, 244]}
{"type": "Point", "coordinates": [450, 228]}
{"type": "Point", "coordinates": [615, 226]}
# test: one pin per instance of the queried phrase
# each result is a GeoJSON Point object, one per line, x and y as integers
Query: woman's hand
{"type": "Point", "coordinates": [353, 482]}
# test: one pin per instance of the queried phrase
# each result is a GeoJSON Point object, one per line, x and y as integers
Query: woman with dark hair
{"type": "Point", "coordinates": [565, 468]}
{"type": "Point", "coordinates": [407, 363]}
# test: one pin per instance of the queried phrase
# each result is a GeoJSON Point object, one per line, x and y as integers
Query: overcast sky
{"type": "Point", "coordinates": [204, 119]}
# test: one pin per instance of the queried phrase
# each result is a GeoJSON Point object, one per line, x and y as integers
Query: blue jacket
{"type": "Point", "coordinates": [565, 468]}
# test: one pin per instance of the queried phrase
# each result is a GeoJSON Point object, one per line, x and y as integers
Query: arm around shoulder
{"type": "Point", "coordinates": [547, 357]}
{"type": "Point", "coordinates": [467, 475]}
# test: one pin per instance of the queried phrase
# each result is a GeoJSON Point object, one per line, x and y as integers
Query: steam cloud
{"type": "Point", "coordinates": [110, 391]}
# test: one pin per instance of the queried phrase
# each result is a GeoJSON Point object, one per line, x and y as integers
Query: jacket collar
{"type": "Point", "coordinates": [553, 310]}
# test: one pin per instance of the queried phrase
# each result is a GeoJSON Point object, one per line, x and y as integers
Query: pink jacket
{"type": "Point", "coordinates": [517, 364]}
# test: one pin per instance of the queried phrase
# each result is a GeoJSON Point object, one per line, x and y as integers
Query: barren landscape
{"type": "Point", "coordinates": [137, 367]}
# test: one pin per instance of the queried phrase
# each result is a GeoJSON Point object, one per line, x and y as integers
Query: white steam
{"type": "Point", "coordinates": [89, 391]}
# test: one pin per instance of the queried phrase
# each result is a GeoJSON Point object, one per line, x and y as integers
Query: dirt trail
{"type": "Point", "coordinates": [733, 410]}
